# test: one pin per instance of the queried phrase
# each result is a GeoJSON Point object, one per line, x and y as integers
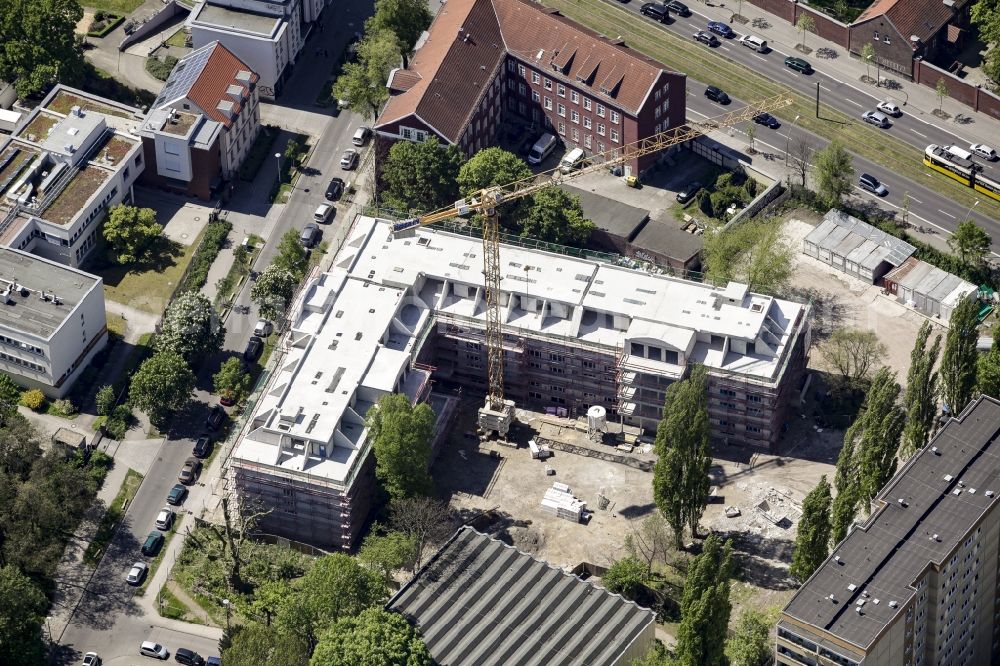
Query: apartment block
{"type": "Point", "coordinates": [484, 63]}
{"type": "Point", "coordinates": [73, 158]}
{"type": "Point", "coordinates": [393, 313]}
{"type": "Point", "coordinates": [916, 582]}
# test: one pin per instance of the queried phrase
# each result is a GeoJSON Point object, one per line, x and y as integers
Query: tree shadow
{"type": "Point", "coordinates": [757, 559]}
{"type": "Point", "coordinates": [162, 254]}
{"type": "Point", "coordinates": [636, 510]}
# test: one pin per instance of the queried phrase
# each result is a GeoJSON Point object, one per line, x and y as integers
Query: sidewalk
{"type": "Point", "coordinates": [916, 100]}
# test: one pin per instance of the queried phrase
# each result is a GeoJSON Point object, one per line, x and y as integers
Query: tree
{"type": "Point", "coordinates": [705, 606]}
{"type": "Point", "coordinates": [268, 596]}
{"type": "Point", "coordinates": [625, 577]}
{"type": "Point", "coordinates": [362, 83]}
{"type": "Point", "coordinates": [292, 256]}
{"type": "Point", "coordinates": [104, 400]}
{"type": "Point", "coordinates": [38, 44]}
{"type": "Point", "coordinates": [336, 586]}
{"type": "Point", "coordinates": [750, 132]}
{"type": "Point", "coordinates": [750, 644]}
{"type": "Point", "coordinates": [754, 252]}
{"type": "Point", "coordinates": [941, 90]}
{"type": "Point", "coordinates": [845, 504]}
{"type": "Point", "coordinates": [232, 381]}
{"type": "Point", "coordinates": [273, 290]}
{"type": "Point", "coordinates": [555, 216]}
{"type": "Point", "coordinates": [803, 25]}
{"type": "Point", "coordinates": [988, 370]}
{"type": "Point", "coordinates": [131, 233]}
{"type": "Point", "coordinates": [406, 19]}
{"type": "Point", "coordinates": [421, 176]}
{"type": "Point", "coordinates": [10, 395]}
{"type": "Point", "coordinates": [875, 435]}
{"type": "Point", "coordinates": [986, 15]}
{"type": "Point", "coordinates": [868, 57]}
{"type": "Point", "coordinates": [680, 477]}
{"type": "Point", "coordinates": [191, 328]}
{"type": "Point", "coordinates": [235, 538]}
{"type": "Point", "coordinates": [802, 155]}
{"type": "Point", "coordinates": [959, 360]}
{"type": "Point", "coordinates": [490, 167]}
{"type": "Point", "coordinates": [253, 644]}
{"type": "Point", "coordinates": [854, 354]}
{"type": "Point", "coordinates": [22, 608]}
{"type": "Point", "coordinates": [812, 543]}
{"type": "Point", "coordinates": [970, 243]}
{"type": "Point", "coordinates": [162, 384]}
{"type": "Point", "coordinates": [376, 636]}
{"type": "Point", "coordinates": [651, 541]}
{"type": "Point", "coordinates": [921, 391]}
{"type": "Point", "coordinates": [427, 521]}
{"type": "Point", "coordinates": [834, 172]}
{"type": "Point", "coordinates": [389, 552]}
{"type": "Point", "coordinates": [19, 448]}
{"type": "Point", "coordinates": [401, 437]}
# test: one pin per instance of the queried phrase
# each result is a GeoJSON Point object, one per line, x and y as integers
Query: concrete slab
{"type": "Point", "coordinates": [182, 218]}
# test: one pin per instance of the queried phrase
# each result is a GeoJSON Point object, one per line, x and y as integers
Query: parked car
{"type": "Point", "coordinates": [202, 447]}
{"type": "Point", "coordinates": [263, 328]}
{"type": "Point", "coordinates": [324, 214]}
{"type": "Point", "coordinates": [213, 661]}
{"type": "Point", "coordinates": [310, 235]}
{"type": "Point", "coordinates": [361, 135]}
{"type": "Point", "coordinates": [717, 95]}
{"type": "Point", "coordinates": [177, 494]}
{"type": "Point", "coordinates": [678, 8]}
{"type": "Point", "coordinates": [165, 518]}
{"type": "Point", "coordinates": [767, 119]}
{"type": "Point", "coordinates": [706, 38]}
{"type": "Point", "coordinates": [656, 11]}
{"type": "Point", "coordinates": [721, 29]}
{"type": "Point", "coordinates": [688, 192]}
{"type": "Point", "coordinates": [188, 657]}
{"type": "Point", "coordinates": [889, 108]}
{"type": "Point", "coordinates": [798, 64]}
{"type": "Point", "coordinates": [227, 400]}
{"type": "Point", "coordinates": [215, 417]}
{"type": "Point", "coordinates": [335, 189]}
{"type": "Point", "coordinates": [152, 544]}
{"type": "Point", "coordinates": [255, 347]}
{"type": "Point", "coordinates": [190, 471]}
{"type": "Point", "coordinates": [984, 151]}
{"type": "Point", "coordinates": [876, 118]}
{"type": "Point", "coordinates": [137, 573]}
{"type": "Point", "coordinates": [349, 159]}
{"type": "Point", "coordinates": [91, 659]}
{"type": "Point", "coordinates": [871, 184]}
{"type": "Point", "coordinates": [151, 649]}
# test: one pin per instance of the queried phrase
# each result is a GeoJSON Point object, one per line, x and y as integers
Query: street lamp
{"type": "Point", "coordinates": [277, 158]}
{"type": "Point", "coordinates": [225, 602]}
{"type": "Point", "coordinates": [968, 213]}
{"type": "Point", "coordinates": [788, 135]}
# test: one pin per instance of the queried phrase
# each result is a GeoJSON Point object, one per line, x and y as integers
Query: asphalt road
{"type": "Point", "coordinates": [927, 205]}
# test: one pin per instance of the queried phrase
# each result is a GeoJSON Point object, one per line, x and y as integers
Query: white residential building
{"type": "Point", "coordinates": [52, 321]}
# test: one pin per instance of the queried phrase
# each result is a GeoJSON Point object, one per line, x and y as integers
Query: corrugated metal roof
{"type": "Point", "coordinates": [480, 602]}
{"type": "Point", "coordinates": [931, 281]}
{"type": "Point", "coordinates": [833, 233]}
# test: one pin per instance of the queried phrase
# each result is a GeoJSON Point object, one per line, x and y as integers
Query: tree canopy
{"type": "Point", "coordinates": [556, 216]}
{"type": "Point", "coordinates": [406, 19]}
{"type": "Point", "coordinates": [22, 608]}
{"type": "Point", "coordinates": [253, 644]}
{"type": "Point", "coordinates": [853, 354]}
{"type": "Point", "coordinates": [680, 477]}
{"type": "Point", "coordinates": [291, 255]}
{"type": "Point", "coordinates": [491, 167]}
{"type": "Point", "coordinates": [388, 552]}
{"type": "Point", "coordinates": [162, 384]}
{"type": "Point", "coordinates": [362, 83]}
{"type": "Point", "coordinates": [985, 15]}
{"type": "Point", "coordinates": [232, 381]}
{"type": "Point", "coordinates": [131, 233]}
{"type": "Point", "coordinates": [754, 252]}
{"type": "Point", "coordinates": [812, 543]}
{"type": "Point", "coordinates": [375, 637]}
{"type": "Point", "coordinates": [401, 437]}
{"type": "Point", "coordinates": [750, 644]}
{"type": "Point", "coordinates": [625, 577]}
{"type": "Point", "coordinates": [960, 358]}
{"type": "Point", "coordinates": [38, 44]}
{"type": "Point", "coordinates": [970, 243]}
{"type": "Point", "coordinates": [921, 391]}
{"type": "Point", "coordinates": [273, 290]}
{"type": "Point", "coordinates": [191, 327]}
{"type": "Point", "coordinates": [834, 171]}
{"type": "Point", "coordinates": [988, 369]}
{"type": "Point", "coordinates": [421, 176]}
{"type": "Point", "coordinates": [705, 606]}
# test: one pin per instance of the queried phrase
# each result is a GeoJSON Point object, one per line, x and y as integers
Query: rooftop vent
{"type": "Point", "coordinates": [832, 598]}
{"type": "Point", "coordinates": [837, 559]}
{"type": "Point", "coordinates": [948, 477]}
{"type": "Point", "coordinates": [990, 493]}
{"type": "Point", "coordinates": [75, 111]}
{"type": "Point", "coordinates": [935, 451]}
{"type": "Point", "coordinates": [935, 537]}
{"type": "Point", "coordinates": [893, 604]}
{"type": "Point", "coordinates": [902, 502]}
{"type": "Point", "coordinates": [956, 491]}
{"type": "Point", "coordinates": [851, 587]}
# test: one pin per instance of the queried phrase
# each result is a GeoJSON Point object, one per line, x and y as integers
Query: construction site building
{"type": "Point", "coordinates": [393, 312]}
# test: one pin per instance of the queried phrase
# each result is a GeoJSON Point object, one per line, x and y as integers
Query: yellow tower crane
{"type": "Point", "coordinates": [497, 412]}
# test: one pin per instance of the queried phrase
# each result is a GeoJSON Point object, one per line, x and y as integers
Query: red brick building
{"type": "Point", "coordinates": [486, 62]}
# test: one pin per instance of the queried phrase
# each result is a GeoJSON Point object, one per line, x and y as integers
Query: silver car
{"type": "Point", "coordinates": [349, 159]}
{"type": "Point", "coordinates": [876, 118]}
{"type": "Point", "coordinates": [164, 518]}
{"type": "Point", "coordinates": [137, 573]}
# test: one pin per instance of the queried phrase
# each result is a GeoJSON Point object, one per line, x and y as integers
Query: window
{"type": "Point", "coordinates": [561, 110]}
{"type": "Point", "coordinates": [574, 116]}
{"type": "Point", "coordinates": [576, 135]}
{"type": "Point", "coordinates": [586, 122]}
{"type": "Point", "coordinates": [510, 65]}
{"type": "Point", "coordinates": [522, 89]}
{"type": "Point", "coordinates": [520, 70]}
{"type": "Point", "coordinates": [512, 84]}
{"type": "Point", "coordinates": [562, 128]}
{"type": "Point", "coordinates": [534, 77]}
{"type": "Point", "coordinates": [587, 142]}
{"type": "Point", "coordinates": [586, 104]}
{"type": "Point", "coordinates": [600, 110]}
{"type": "Point", "coordinates": [656, 130]}
{"type": "Point", "coordinates": [614, 135]}
{"type": "Point", "coordinates": [656, 112]}
{"type": "Point", "coordinates": [535, 97]}
{"type": "Point", "coordinates": [574, 96]}
{"type": "Point", "coordinates": [421, 136]}
{"type": "Point", "coordinates": [560, 90]}
{"type": "Point", "coordinates": [548, 103]}
{"type": "Point", "coordinates": [548, 84]}
{"type": "Point", "coordinates": [656, 96]}
{"type": "Point", "coordinates": [614, 117]}
{"type": "Point", "coordinates": [600, 130]}
{"type": "Point", "coordinates": [407, 133]}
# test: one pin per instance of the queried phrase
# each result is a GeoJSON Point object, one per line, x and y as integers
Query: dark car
{"type": "Point", "coordinates": [335, 189]}
{"type": "Point", "coordinates": [188, 657]}
{"type": "Point", "coordinates": [255, 347]}
{"type": "Point", "coordinates": [767, 119]}
{"type": "Point", "coordinates": [310, 235]}
{"type": "Point", "coordinates": [678, 8]}
{"type": "Point", "coordinates": [717, 95]}
{"type": "Point", "coordinates": [215, 417]}
{"type": "Point", "coordinates": [798, 64]}
{"type": "Point", "coordinates": [656, 11]}
{"type": "Point", "coordinates": [202, 447]}
{"type": "Point", "coordinates": [706, 38]}
{"type": "Point", "coordinates": [190, 471]}
{"type": "Point", "coordinates": [177, 494]}
{"type": "Point", "coordinates": [688, 192]}
{"type": "Point", "coordinates": [213, 661]}
{"type": "Point", "coordinates": [721, 29]}
{"type": "Point", "coordinates": [152, 544]}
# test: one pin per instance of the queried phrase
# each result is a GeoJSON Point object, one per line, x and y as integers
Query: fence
{"type": "Point", "coordinates": [151, 24]}
{"type": "Point", "coordinates": [775, 194]}
{"type": "Point", "coordinates": [971, 95]}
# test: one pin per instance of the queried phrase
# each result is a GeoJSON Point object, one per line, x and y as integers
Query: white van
{"type": "Point", "coordinates": [542, 148]}
{"type": "Point", "coordinates": [753, 42]}
{"type": "Point", "coordinates": [323, 213]}
{"type": "Point", "coordinates": [961, 153]}
{"type": "Point", "coordinates": [571, 160]}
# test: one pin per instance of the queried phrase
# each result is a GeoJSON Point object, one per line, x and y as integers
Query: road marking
{"type": "Point", "coordinates": [918, 133]}
{"type": "Point", "coordinates": [759, 57]}
{"type": "Point", "coordinates": [913, 198]}
{"type": "Point", "coordinates": [853, 102]}
{"type": "Point", "coordinates": [948, 214]}
{"type": "Point", "coordinates": [723, 46]}
{"type": "Point", "coordinates": [792, 73]}
{"type": "Point", "coordinates": [825, 88]}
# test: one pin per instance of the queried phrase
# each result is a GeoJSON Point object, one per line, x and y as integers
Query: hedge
{"type": "Point", "coordinates": [213, 240]}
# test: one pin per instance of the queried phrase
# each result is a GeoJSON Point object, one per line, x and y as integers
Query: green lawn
{"type": "Point", "coordinates": [122, 7]}
{"type": "Point", "coordinates": [111, 517]}
{"type": "Point", "coordinates": [170, 606]}
{"type": "Point", "coordinates": [178, 39]}
{"type": "Point", "coordinates": [706, 66]}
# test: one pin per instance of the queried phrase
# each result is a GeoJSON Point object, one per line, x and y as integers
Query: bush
{"type": "Point", "coordinates": [99, 15]}
{"type": "Point", "coordinates": [64, 407]}
{"type": "Point", "coordinates": [33, 399]}
{"type": "Point", "coordinates": [215, 236]}
{"type": "Point", "coordinates": [161, 68]}
{"type": "Point", "coordinates": [118, 422]}
{"type": "Point", "coordinates": [104, 401]}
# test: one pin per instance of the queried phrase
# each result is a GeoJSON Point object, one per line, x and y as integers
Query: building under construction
{"type": "Point", "coordinates": [393, 313]}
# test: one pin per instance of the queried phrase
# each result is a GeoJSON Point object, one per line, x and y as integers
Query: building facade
{"type": "Point", "coordinates": [73, 158]}
{"type": "Point", "coordinates": [52, 321]}
{"type": "Point", "coordinates": [395, 312]}
{"type": "Point", "coordinates": [203, 123]}
{"type": "Point", "coordinates": [487, 64]}
{"type": "Point", "coordinates": [916, 583]}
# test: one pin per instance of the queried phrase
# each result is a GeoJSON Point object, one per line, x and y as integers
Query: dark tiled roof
{"type": "Point", "coordinates": [480, 602]}
{"type": "Point", "coordinates": [887, 555]}
{"type": "Point", "coordinates": [923, 18]}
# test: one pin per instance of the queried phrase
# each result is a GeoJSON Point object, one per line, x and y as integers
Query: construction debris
{"type": "Point", "coordinates": [644, 465]}
{"type": "Point", "coordinates": [733, 512]}
{"type": "Point", "coordinates": [539, 452]}
{"type": "Point", "coordinates": [559, 501]}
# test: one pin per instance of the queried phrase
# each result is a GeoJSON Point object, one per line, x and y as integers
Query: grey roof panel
{"type": "Point", "coordinates": [480, 602]}
{"type": "Point", "coordinates": [897, 250]}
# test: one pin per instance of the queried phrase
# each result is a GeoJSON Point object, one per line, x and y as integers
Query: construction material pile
{"type": "Point", "coordinates": [559, 501]}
